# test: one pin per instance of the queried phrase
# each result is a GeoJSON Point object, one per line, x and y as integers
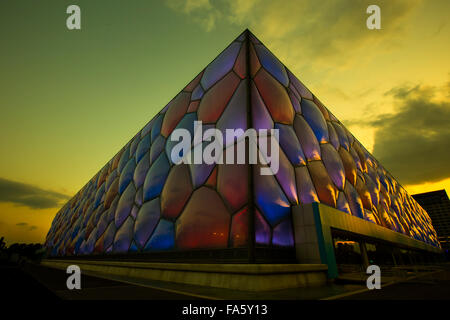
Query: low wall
{"type": "Point", "coordinates": [246, 277]}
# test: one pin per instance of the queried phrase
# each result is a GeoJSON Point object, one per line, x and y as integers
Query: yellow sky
{"type": "Point", "coordinates": [72, 100]}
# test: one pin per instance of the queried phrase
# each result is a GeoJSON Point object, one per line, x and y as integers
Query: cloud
{"type": "Point", "coordinates": [414, 143]}
{"type": "Point", "coordinates": [28, 195]}
{"type": "Point", "coordinates": [307, 32]}
{"type": "Point", "coordinates": [21, 224]}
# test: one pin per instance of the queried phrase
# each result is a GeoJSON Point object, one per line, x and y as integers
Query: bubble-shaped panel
{"type": "Point", "coordinates": [177, 109]}
{"type": "Point", "coordinates": [198, 226]}
{"type": "Point", "coordinates": [333, 164]}
{"type": "Point", "coordinates": [290, 144]}
{"type": "Point", "coordinates": [163, 238]}
{"type": "Point", "coordinates": [156, 177]}
{"type": "Point", "coordinates": [147, 218]}
{"type": "Point", "coordinates": [308, 141]}
{"type": "Point", "coordinates": [272, 64]}
{"type": "Point", "coordinates": [176, 191]}
{"type": "Point", "coordinates": [324, 186]}
{"type": "Point", "coordinates": [239, 229]}
{"type": "Point", "coordinates": [315, 119]}
{"type": "Point", "coordinates": [283, 234]}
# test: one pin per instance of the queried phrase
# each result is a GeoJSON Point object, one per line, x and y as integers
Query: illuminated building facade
{"type": "Point", "coordinates": [142, 204]}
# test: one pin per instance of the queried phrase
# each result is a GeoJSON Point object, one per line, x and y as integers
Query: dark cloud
{"type": "Point", "coordinates": [21, 224]}
{"type": "Point", "coordinates": [414, 143]}
{"type": "Point", "coordinates": [28, 195]}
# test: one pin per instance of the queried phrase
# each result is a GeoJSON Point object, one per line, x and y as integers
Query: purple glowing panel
{"type": "Point", "coordinates": [99, 195]}
{"type": "Point", "coordinates": [315, 119]}
{"type": "Point", "coordinates": [295, 101]}
{"type": "Point", "coordinates": [123, 237]}
{"type": "Point", "coordinates": [283, 234]}
{"type": "Point", "coordinates": [300, 87]}
{"type": "Point", "coordinates": [198, 92]}
{"type": "Point", "coordinates": [141, 170]}
{"type": "Point", "coordinates": [286, 178]}
{"type": "Point", "coordinates": [127, 175]}
{"type": "Point", "coordinates": [220, 66]}
{"type": "Point", "coordinates": [157, 148]}
{"type": "Point", "coordinates": [308, 141]}
{"type": "Point", "coordinates": [142, 148]}
{"type": "Point", "coordinates": [261, 116]}
{"type": "Point", "coordinates": [235, 114]}
{"type": "Point", "coordinates": [125, 204]}
{"type": "Point", "coordinates": [163, 238]}
{"type": "Point", "coordinates": [262, 229]}
{"type": "Point", "coordinates": [200, 172]}
{"type": "Point", "coordinates": [342, 203]}
{"type": "Point", "coordinates": [290, 144]}
{"type": "Point", "coordinates": [272, 64]}
{"type": "Point", "coordinates": [111, 177]}
{"type": "Point", "coordinates": [156, 177]}
{"type": "Point", "coordinates": [147, 218]}
{"type": "Point", "coordinates": [333, 164]}
{"type": "Point", "coordinates": [269, 197]}
{"type": "Point", "coordinates": [334, 139]}
{"type": "Point", "coordinates": [343, 139]}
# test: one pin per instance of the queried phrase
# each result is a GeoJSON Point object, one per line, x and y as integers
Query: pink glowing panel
{"type": "Point", "coordinates": [199, 226]}
{"type": "Point", "coordinates": [111, 193]}
{"type": "Point", "coordinates": [283, 234]}
{"type": "Point", "coordinates": [239, 229]}
{"type": "Point", "coordinates": [124, 236]}
{"type": "Point", "coordinates": [125, 204]}
{"type": "Point", "coordinates": [275, 97]}
{"type": "Point", "coordinates": [255, 65]}
{"type": "Point", "coordinates": [300, 87]}
{"type": "Point", "coordinates": [176, 191]}
{"type": "Point", "coordinates": [342, 203]}
{"type": "Point", "coordinates": [306, 191]}
{"type": "Point", "coordinates": [215, 100]}
{"type": "Point", "coordinates": [349, 165]}
{"type": "Point", "coordinates": [315, 119]}
{"type": "Point", "coordinates": [235, 114]}
{"type": "Point", "coordinates": [193, 83]}
{"type": "Point", "coordinates": [373, 189]}
{"type": "Point", "coordinates": [333, 164]}
{"type": "Point", "coordinates": [220, 66]}
{"type": "Point", "coordinates": [262, 229]}
{"type": "Point", "coordinates": [324, 186]}
{"type": "Point", "coordinates": [177, 109]}
{"type": "Point", "coordinates": [232, 182]}
{"type": "Point", "coordinates": [260, 114]}
{"type": "Point", "coordinates": [240, 65]}
{"type": "Point", "coordinates": [322, 108]}
{"type": "Point", "coordinates": [308, 141]}
{"type": "Point", "coordinates": [364, 194]}
{"type": "Point", "coordinates": [147, 219]}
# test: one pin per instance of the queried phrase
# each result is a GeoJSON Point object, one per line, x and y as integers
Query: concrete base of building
{"type": "Point", "coordinates": [246, 277]}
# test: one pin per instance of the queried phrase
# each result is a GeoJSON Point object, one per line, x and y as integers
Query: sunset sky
{"type": "Point", "coordinates": [71, 99]}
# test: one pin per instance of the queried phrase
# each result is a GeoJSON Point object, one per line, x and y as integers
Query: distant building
{"type": "Point", "coordinates": [437, 204]}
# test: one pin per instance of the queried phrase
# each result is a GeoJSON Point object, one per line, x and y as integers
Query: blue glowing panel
{"type": "Point", "coordinates": [156, 129]}
{"type": "Point", "coordinates": [123, 237]}
{"type": "Point", "coordinates": [186, 123]}
{"type": "Point", "coordinates": [163, 238]}
{"type": "Point", "coordinates": [157, 148]}
{"type": "Point", "coordinates": [125, 204]}
{"type": "Point", "coordinates": [156, 177]}
{"type": "Point", "coordinates": [262, 229]}
{"type": "Point", "coordinates": [354, 201]}
{"type": "Point", "coordinates": [283, 234]}
{"type": "Point", "coordinates": [127, 175]}
{"type": "Point", "coordinates": [147, 218]}
{"type": "Point", "coordinates": [141, 170]}
{"type": "Point", "coordinates": [142, 147]}
{"type": "Point", "coordinates": [269, 197]}
{"type": "Point", "coordinates": [290, 144]}
{"type": "Point", "coordinates": [315, 119]}
{"type": "Point", "coordinates": [333, 164]}
{"type": "Point", "coordinates": [272, 64]}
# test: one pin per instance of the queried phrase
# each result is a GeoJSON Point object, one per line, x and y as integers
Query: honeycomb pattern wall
{"type": "Point", "coordinates": [141, 202]}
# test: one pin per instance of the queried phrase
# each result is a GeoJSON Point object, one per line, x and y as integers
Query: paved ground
{"type": "Point", "coordinates": [31, 281]}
